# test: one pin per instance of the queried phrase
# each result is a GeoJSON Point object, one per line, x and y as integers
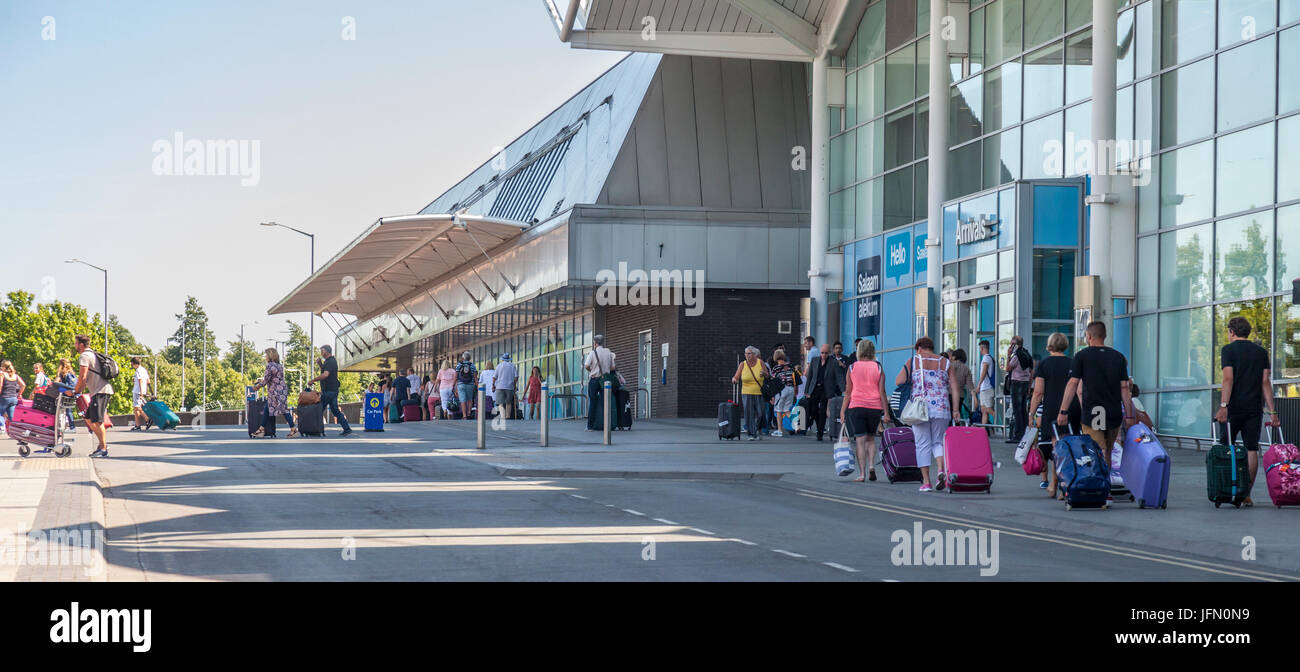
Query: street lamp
{"type": "Point", "coordinates": [241, 351]}
{"type": "Point", "coordinates": [311, 317]}
{"type": "Point", "coordinates": [105, 271]}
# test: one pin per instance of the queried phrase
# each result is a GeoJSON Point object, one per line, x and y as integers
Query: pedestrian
{"type": "Point", "coordinates": [329, 386]}
{"type": "Point", "coordinates": [1051, 377]}
{"type": "Point", "coordinates": [401, 394]}
{"type": "Point", "coordinates": [429, 393]}
{"type": "Point", "coordinates": [12, 386]}
{"type": "Point", "coordinates": [466, 379]}
{"type": "Point", "coordinates": [66, 381]}
{"type": "Point", "coordinates": [598, 363]}
{"type": "Point", "coordinates": [864, 405]}
{"type": "Point", "coordinates": [965, 381]}
{"type": "Point", "coordinates": [810, 349]}
{"type": "Point", "coordinates": [1107, 401]}
{"type": "Point", "coordinates": [1247, 390]}
{"type": "Point", "coordinates": [988, 382]}
{"type": "Point", "coordinates": [487, 379]}
{"type": "Point", "coordinates": [139, 389]}
{"type": "Point", "coordinates": [938, 390]}
{"type": "Point", "coordinates": [91, 381]}
{"type": "Point", "coordinates": [39, 379]}
{"type": "Point", "coordinates": [534, 391]}
{"type": "Point", "coordinates": [853, 356]}
{"type": "Point", "coordinates": [784, 401]}
{"type": "Point", "coordinates": [277, 397]}
{"type": "Point", "coordinates": [750, 375]}
{"type": "Point", "coordinates": [1139, 411]}
{"type": "Point", "coordinates": [506, 379]}
{"type": "Point", "coordinates": [1020, 369]}
{"type": "Point", "coordinates": [413, 392]}
{"type": "Point", "coordinates": [446, 386]}
{"type": "Point", "coordinates": [824, 382]}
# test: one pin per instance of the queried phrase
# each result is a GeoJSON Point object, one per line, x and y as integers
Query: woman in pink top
{"type": "Point", "coordinates": [446, 381]}
{"type": "Point", "coordinates": [865, 390]}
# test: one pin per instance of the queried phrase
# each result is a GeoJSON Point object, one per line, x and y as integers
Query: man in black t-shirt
{"type": "Point", "coordinates": [329, 386]}
{"type": "Point", "coordinates": [1247, 387]}
{"type": "Point", "coordinates": [1107, 402]}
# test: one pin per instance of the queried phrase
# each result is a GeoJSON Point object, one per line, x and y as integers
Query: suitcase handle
{"type": "Point", "coordinates": [1280, 437]}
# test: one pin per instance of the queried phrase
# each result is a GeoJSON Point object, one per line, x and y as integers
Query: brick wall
{"type": "Point", "coordinates": [623, 325]}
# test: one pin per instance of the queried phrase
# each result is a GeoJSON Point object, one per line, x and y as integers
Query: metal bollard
{"type": "Point", "coordinates": [607, 403]}
{"type": "Point", "coordinates": [480, 418]}
{"type": "Point", "coordinates": [546, 416]}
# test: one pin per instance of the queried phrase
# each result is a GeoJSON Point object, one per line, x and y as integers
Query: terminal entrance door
{"type": "Point", "coordinates": [645, 374]}
{"type": "Point", "coordinates": [977, 320]}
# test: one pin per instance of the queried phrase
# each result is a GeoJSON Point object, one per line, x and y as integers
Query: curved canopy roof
{"type": "Point", "coordinates": [392, 258]}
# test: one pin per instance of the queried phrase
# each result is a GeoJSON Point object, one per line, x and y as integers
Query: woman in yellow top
{"type": "Point", "coordinates": [750, 374]}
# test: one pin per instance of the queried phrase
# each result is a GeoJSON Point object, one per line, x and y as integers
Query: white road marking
{"type": "Point", "coordinates": [742, 541]}
{"type": "Point", "coordinates": [836, 565]}
{"type": "Point", "coordinates": [577, 496]}
{"type": "Point", "coordinates": [696, 529]}
{"type": "Point", "coordinates": [665, 521]}
{"type": "Point", "coordinates": [891, 580]}
{"type": "Point", "coordinates": [789, 553]}
{"type": "Point", "coordinates": [635, 513]}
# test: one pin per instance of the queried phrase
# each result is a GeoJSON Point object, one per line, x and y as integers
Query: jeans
{"type": "Point", "coordinates": [7, 406]}
{"type": "Point", "coordinates": [330, 399]}
{"type": "Point", "coordinates": [1019, 405]}
{"type": "Point", "coordinates": [753, 412]}
{"type": "Point", "coordinates": [819, 416]}
{"type": "Point", "coordinates": [594, 389]}
{"type": "Point", "coordinates": [466, 394]}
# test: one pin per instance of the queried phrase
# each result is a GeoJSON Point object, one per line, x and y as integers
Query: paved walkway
{"type": "Point", "coordinates": [51, 518]}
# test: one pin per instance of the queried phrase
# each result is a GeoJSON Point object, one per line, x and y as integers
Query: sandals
{"type": "Point", "coordinates": [292, 433]}
{"type": "Point", "coordinates": [871, 474]}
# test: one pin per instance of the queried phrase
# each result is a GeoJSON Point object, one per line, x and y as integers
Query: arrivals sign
{"type": "Point", "coordinates": [868, 281]}
{"type": "Point", "coordinates": [975, 230]}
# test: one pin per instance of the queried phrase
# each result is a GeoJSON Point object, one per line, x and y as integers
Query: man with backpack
{"type": "Point", "coordinates": [1020, 372]}
{"type": "Point", "coordinates": [466, 384]}
{"type": "Point", "coordinates": [97, 373]}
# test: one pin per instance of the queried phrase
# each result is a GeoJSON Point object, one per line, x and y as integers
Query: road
{"type": "Point", "coordinates": [212, 505]}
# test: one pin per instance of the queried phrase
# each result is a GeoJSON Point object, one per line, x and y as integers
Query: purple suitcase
{"type": "Point", "coordinates": [898, 455]}
{"type": "Point", "coordinates": [1145, 467]}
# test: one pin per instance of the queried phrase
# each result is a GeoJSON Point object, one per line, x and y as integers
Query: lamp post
{"type": "Point", "coordinates": [105, 272]}
{"type": "Point", "coordinates": [311, 317]}
{"type": "Point", "coordinates": [243, 377]}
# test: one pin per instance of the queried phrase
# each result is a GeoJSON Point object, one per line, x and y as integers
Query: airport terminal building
{"type": "Point", "coordinates": [996, 220]}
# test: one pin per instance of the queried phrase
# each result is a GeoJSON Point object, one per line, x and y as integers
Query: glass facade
{"type": "Point", "coordinates": [1205, 95]}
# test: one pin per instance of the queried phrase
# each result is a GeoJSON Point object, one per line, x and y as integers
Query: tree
{"type": "Point", "coordinates": [253, 360]}
{"type": "Point", "coordinates": [193, 332]}
{"type": "Point", "coordinates": [299, 358]}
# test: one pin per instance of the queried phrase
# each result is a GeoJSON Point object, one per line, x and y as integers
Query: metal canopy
{"type": "Point", "coordinates": [394, 257]}
{"type": "Point", "coordinates": [785, 30]}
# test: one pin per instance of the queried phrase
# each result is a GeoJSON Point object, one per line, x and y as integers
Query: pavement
{"type": "Point", "coordinates": [666, 501]}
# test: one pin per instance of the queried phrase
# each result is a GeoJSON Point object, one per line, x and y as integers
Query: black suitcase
{"type": "Point", "coordinates": [623, 404]}
{"type": "Point", "coordinates": [833, 418]}
{"type": "Point", "coordinates": [729, 420]}
{"type": "Point", "coordinates": [253, 411]}
{"type": "Point", "coordinates": [311, 420]}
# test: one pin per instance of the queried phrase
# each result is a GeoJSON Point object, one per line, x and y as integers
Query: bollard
{"type": "Point", "coordinates": [546, 415]}
{"type": "Point", "coordinates": [480, 418]}
{"type": "Point", "coordinates": [605, 402]}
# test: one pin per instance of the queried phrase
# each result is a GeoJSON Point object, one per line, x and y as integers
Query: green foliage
{"type": "Point", "coordinates": [194, 333]}
{"type": "Point", "coordinates": [254, 361]}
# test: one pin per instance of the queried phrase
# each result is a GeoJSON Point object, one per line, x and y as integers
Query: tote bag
{"type": "Point", "coordinates": [845, 462]}
{"type": "Point", "coordinates": [916, 411]}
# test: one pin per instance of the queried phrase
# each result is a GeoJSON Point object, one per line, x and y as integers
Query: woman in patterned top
{"type": "Point", "coordinates": [932, 384]}
{"type": "Point", "coordinates": [277, 396]}
{"type": "Point", "coordinates": [784, 401]}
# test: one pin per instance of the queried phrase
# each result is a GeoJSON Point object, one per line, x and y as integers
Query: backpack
{"type": "Point", "coordinates": [108, 369]}
{"type": "Point", "coordinates": [903, 393]}
{"type": "Point", "coordinates": [465, 373]}
{"type": "Point", "coordinates": [1023, 358]}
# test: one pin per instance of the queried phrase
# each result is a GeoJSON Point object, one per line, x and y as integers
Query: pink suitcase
{"type": "Point", "coordinates": [969, 459]}
{"type": "Point", "coordinates": [1282, 472]}
{"type": "Point", "coordinates": [27, 415]}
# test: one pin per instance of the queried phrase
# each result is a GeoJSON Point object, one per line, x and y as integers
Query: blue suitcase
{"type": "Point", "coordinates": [160, 415]}
{"type": "Point", "coordinates": [1082, 472]}
{"type": "Point", "coordinates": [1145, 468]}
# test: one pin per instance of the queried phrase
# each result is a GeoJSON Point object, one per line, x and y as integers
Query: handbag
{"type": "Point", "coordinates": [1027, 443]}
{"type": "Point", "coordinates": [916, 411]}
{"type": "Point", "coordinates": [845, 462]}
{"type": "Point", "coordinates": [308, 397]}
{"type": "Point", "coordinates": [1033, 462]}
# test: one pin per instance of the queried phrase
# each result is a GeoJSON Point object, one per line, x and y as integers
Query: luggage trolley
{"type": "Point", "coordinates": [52, 440]}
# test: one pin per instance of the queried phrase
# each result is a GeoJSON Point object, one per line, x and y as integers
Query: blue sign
{"type": "Point", "coordinates": [919, 245]}
{"type": "Point", "coordinates": [374, 412]}
{"type": "Point", "coordinates": [898, 256]}
{"type": "Point", "coordinates": [868, 281]}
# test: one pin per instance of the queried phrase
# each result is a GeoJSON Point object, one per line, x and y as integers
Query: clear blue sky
{"type": "Point", "coordinates": [349, 131]}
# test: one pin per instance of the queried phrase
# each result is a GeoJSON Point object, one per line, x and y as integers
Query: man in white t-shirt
{"type": "Point", "coordinates": [598, 364]}
{"type": "Point", "coordinates": [139, 389]}
{"type": "Point", "coordinates": [91, 382]}
{"type": "Point", "coordinates": [987, 377]}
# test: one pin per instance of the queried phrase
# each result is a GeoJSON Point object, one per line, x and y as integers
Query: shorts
{"type": "Point", "coordinates": [137, 401]}
{"type": "Point", "coordinates": [986, 398]}
{"type": "Point", "coordinates": [97, 409]}
{"type": "Point", "coordinates": [785, 400]}
{"type": "Point", "coordinates": [1248, 427]}
{"type": "Point", "coordinates": [1105, 438]}
{"type": "Point", "coordinates": [504, 396]}
{"type": "Point", "coordinates": [863, 421]}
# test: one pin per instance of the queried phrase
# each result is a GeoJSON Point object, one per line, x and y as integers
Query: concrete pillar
{"type": "Point", "coordinates": [820, 205]}
{"type": "Point", "coordinates": [937, 168]}
{"type": "Point", "coordinates": [1102, 199]}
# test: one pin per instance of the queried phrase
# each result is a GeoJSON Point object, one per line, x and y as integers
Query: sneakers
{"type": "Point", "coordinates": [925, 487]}
{"type": "Point", "coordinates": [777, 434]}
{"type": "Point", "coordinates": [940, 482]}
{"type": "Point", "coordinates": [345, 432]}
{"type": "Point", "coordinates": [102, 452]}
{"type": "Point", "coordinates": [753, 438]}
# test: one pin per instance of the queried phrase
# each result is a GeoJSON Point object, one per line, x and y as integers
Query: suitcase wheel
{"type": "Point", "coordinates": [1236, 505]}
{"type": "Point", "coordinates": [24, 450]}
{"type": "Point", "coordinates": [1068, 507]}
{"type": "Point", "coordinates": [1142, 503]}
{"type": "Point", "coordinates": [1164, 505]}
{"type": "Point", "coordinates": [66, 451]}
{"type": "Point", "coordinates": [1130, 498]}
{"type": "Point", "coordinates": [1218, 504]}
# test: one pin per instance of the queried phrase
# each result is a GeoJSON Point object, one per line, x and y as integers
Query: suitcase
{"type": "Point", "coordinates": [833, 417]}
{"type": "Point", "coordinates": [1145, 468]}
{"type": "Point", "coordinates": [1082, 472]}
{"type": "Point", "coordinates": [311, 420]}
{"type": "Point", "coordinates": [730, 419]}
{"type": "Point", "coordinates": [623, 405]}
{"type": "Point", "coordinates": [160, 415]}
{"type": "Point", "coordinates": [394, 413]}
{"type": "Point", "coordinates": [1282, 472]}
{"type": "Point", "coordinates": [31, 416]}
{"type": "Point", "coordinates": [411, 413]}
{"type": "Point", "coordinates": [968, 458]}
{"type": "Point", "coordinates": [1226, 478]}
{"type": "Point", "coordinates": [253, 411]}
{"type": "Point", "coordinates": [898, 455]}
